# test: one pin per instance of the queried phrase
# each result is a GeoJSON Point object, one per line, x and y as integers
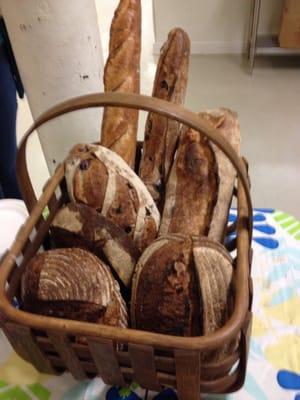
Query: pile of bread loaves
{"type": "Point", "coordinates": [149, 237]}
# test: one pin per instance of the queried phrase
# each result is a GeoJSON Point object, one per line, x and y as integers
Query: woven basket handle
{"type": "Point", "coordinates": [145, 103]}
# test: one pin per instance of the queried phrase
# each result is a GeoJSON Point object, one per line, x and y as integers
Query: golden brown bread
{"type": "Point", "coordinates": [98, 177]}
{"type": "Point", "coordinates": [161, 134]}
{"type": "Point", "coordinates": [192, 187]}
{"type": "Point", "coordinates": [122, 74]}
{"type": "Point", "coordinates": [226, 122]}
{"type": "Point", "coordinates": [73, 284]}
{"type": "Point", "coordinates": [77, 225]}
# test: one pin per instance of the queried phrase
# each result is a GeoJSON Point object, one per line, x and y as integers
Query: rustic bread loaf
{"type": "Point", "coordinates": [98, 177]}
{"type": "Point", "coordinates": [214, 271]}
{"type": "Point", "coordinates": [122, 74]}
{"type": "Point", "coordinates": [73, 284]}
{"type": "Point", "coordinates": [182, 286]}
{"type": "Point", "coordinates": [77, 225]}
{"type": "Point", "coordinates": [164, 289]}
{"type": "Point", "coordinates": [192, 187]}
{"type": "Point", "coordinates": [226, 121]}
{"type": "Point", "coordinates": [161, 133]}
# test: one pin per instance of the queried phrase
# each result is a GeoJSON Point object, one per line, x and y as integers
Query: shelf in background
{"type": "Point", "coordinates": [269, 45]}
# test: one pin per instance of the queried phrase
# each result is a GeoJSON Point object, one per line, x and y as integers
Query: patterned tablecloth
{"type": "Point", "coordinates": [274, 360]}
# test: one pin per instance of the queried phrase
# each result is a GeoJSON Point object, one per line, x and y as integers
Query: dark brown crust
{"type": "Point", "coordinates": [90, 179]}
{"type": "Point", "coordinates": [124, 208]}
{"type": "Point", "coordinates": [165, 295]}
{"type": "Point", "coordinates": [161, 134]}
{"type": "Point", "coordinates": [192, 187]}
{"type": "Point", "coordinates": [77, 225]}
{"type": "Point", "coordinates": [226, 121]}
{"type": "Point", "coordinates": [72, 284]}
{"type": "Point", "coordinates": [121, 196]}
{"type": "Point", "coordinates": [122, 74]}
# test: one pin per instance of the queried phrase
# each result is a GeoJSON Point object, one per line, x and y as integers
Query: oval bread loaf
{"type": "Point", "coordinates": [192, 187]}
{"type": "Point", "coordinates": [164, 290]}
{"type": "Point", "coordinates": [73, 284]}
{"type": "Point", "coordinates": [182, 286]}
{"type": "Point", "coordinates": [98, 177]}
{"type": "Point", "coordinates": [77, 225]}
{"type": "Point", "coordinates": [226, 122]}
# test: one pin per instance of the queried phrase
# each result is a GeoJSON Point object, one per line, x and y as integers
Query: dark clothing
{"type": "Point", "coordinates": [8, 146]}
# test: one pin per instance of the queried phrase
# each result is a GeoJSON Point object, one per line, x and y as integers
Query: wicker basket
{"type": "Point", "coordinates": [153, 360]}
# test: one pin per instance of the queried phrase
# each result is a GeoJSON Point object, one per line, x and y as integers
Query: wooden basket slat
{"type": "Point", "coordinates": [61, 343]}
{"type": "Point", "coordinates": [103, 353]}
{"type": "Point", "coordinates": [188, 370]}
{"type": "Point", "coordinates": [23, 342]}
{"type": "Point", "coordinates": [217, 369]}
{"type": "Point", "coordinates": [220, 385]}
{"type": "Point", "coordinates": [143, 364]}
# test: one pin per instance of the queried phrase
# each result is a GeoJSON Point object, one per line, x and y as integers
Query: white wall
{"type": "Point", "coordinates": [58, 51]}
{"type": "Point", "coordinates": [215, 26]}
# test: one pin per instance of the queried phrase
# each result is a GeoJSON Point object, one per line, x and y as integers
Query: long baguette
{"type": "Point", "coordinates": [122, 74]}
{"type": "Point", "coordinates": [161, 134]}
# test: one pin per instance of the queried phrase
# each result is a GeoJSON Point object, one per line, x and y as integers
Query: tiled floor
{"type": "Point", "coordinates": [267, 103]}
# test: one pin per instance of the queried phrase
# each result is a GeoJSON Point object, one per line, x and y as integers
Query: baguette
{"type": "Point", "coordinates": [161, 133]}
{"type": "Point", "coordinates": [122, 74]}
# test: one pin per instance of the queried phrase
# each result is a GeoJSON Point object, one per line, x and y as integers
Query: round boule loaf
{"type": "Point", "coordinates": [73, 284]}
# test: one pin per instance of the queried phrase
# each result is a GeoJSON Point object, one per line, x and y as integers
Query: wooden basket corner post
{"type": "Point", "coordinates": [122, 355]}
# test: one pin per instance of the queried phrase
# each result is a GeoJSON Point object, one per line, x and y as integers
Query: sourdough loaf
{"type": "Point", "coordinates": [226, 122]}
{"type": "Point", "coordinates": [122, 74]}
{"type": "Point", "coordinates": [77, 225]}
{"type": "Point", "coordinates": [73, 284]}
{"type": "Point", "coordinates": [161, 133]}
{"type": "Point", "coordinates": [98, 177]}
{"type": "Point", "coordinates": [183, 286]}
{"type": "Point", "coordinates": [192, 187]}
{"type": "Point", "coordinates": [164, 289]}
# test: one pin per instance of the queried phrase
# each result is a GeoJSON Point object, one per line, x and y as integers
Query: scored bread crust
{"type": "Point", "coordinates": [122, 74]}
{"type": "Point", "coordinates": [161, 133]}
{"type": "Point", "coordinates": [226, 122]}
{"type": "Point", "coordinates": [125, 199]}
{"type": "Point", "coordinates": [77, 225]}
{"type": "Point", "coordinates": [73, 284]}
{"type": "Point", "coordinates": [164, 291]}
{"type": "Point", "coordinates": [192, 187]}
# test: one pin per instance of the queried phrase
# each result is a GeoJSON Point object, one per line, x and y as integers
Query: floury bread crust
{"type": "Point", "coordinates": [122, 74]}
{"type": "Point", "coordinates": [161, 133]}
{"type": "Point", "coordinates": [77, 225]}
{"type": "Point", "coordinates": [98, 177]}
{"type": "Point", "coordinates": [73, 284]}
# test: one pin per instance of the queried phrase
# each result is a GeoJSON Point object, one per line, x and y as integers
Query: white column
{"type": "Point", "coordinates": [58, 51]}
